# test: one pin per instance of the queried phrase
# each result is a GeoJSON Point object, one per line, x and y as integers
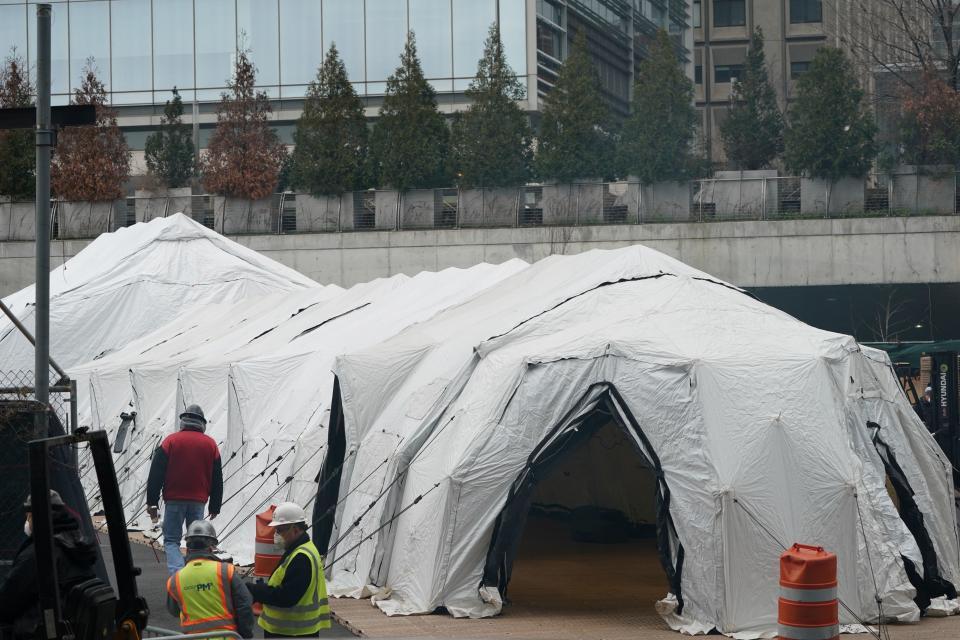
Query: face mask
{"type": "Point", "coordinates": [277, 540]}
{"type": "Point", "coordinates": [27, 529]}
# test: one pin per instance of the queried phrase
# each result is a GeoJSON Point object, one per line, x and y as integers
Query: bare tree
{"type": "Point", "coordinates": [901, 37]}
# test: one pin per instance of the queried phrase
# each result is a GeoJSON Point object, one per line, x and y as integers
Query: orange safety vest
{"type": "Point", "coordinates": [202, 591]}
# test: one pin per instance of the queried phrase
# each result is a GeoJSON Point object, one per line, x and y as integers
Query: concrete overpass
{"type": "Point", "coordinates": [752, 254]}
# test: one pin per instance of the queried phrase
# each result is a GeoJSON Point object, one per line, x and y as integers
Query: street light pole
{"type": "Point", "coordinates": [44, 142]}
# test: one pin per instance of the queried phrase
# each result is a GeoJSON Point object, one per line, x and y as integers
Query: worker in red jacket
{"type": "Point", "coordinates": [186, 468]}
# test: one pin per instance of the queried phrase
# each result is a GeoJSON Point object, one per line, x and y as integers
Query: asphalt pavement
{"type": "Point", "coordinates": [152, 586]}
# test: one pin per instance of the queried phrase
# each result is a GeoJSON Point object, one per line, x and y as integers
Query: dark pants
{"type": "Point", "coordinates": [267, 634]}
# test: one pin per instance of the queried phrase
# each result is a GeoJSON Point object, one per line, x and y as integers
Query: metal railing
{"type": "Point", "coordinates": [579, 204]}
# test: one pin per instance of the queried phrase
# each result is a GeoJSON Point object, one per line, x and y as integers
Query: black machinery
{"type": "Point", "coordinates": [92, 610]}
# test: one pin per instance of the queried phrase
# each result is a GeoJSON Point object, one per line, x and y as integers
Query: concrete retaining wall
{"type": "Point", "coordinates": [746, 253]}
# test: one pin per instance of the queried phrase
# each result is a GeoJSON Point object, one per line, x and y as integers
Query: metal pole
{"type": "Point", "coordinates": [44, 142]}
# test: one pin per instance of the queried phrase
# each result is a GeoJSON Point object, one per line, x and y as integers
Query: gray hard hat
{"type": "Point", "coordinates": [55, 501]}
{"type": "Point", "coordinates": [202, 529]}
{"type": "Point", "coordinates": [193, 417]}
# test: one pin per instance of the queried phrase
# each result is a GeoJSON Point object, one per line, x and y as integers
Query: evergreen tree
{"type": "Point", "coordinates": [492, 139]}
{"type": "Point", "coordinates": [830, 134]}
{"type": "Point", "coordinates": [91, 163]}
{"type": "Point", "coordinates": [410, 143]}
{"type": "Point", "coordinates": [244, 156]}
{"type": "Point", "coordinates": [657, 138]}
{"type": "Point", "coordinates": [169, 150]}
{"type": "Point", "coordinates": [753, 131]}
{"type": "Point", "coordinates": [575, 140]}
{"type": "Point", "coordinates": [331, 135]}
{"type": "Point", "coordinates": [17, 155]}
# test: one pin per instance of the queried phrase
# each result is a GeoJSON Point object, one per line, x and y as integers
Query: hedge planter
{"type": "Point", "coordinates": [236, 215]}
{"type": "Point", "coordinates": [88, 219]}
{"type": "Point", "coordinates": [158, 204]}
{"type": "Point", "coordinates": [18, 221]}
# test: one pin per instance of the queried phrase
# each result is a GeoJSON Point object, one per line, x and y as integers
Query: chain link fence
{"type": "Point", "coordinates": [539, 205]}
{"type": "Point", "coordinates": [17, 427]}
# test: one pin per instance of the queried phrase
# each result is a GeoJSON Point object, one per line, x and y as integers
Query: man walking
{"type": "Point", "coordinates": [295, 598]}
{"type": "Point", "coordinates": [186, 468]}
{"type": "Point", "coordinates": [206, 593]}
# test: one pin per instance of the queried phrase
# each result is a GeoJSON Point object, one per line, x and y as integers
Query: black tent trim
{"type": "Point", "coordinates": [931, 584]}
{"type": "Point", "coordinates": [600, 403]}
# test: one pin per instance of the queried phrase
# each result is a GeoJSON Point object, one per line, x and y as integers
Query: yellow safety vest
{"type": "Point", "coordinates": [202, 591]}
{"type": "Point", "coordinates": [312, 612]}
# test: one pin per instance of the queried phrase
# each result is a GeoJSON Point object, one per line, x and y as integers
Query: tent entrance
{"type": "Point", "coordinates": [587, 522]}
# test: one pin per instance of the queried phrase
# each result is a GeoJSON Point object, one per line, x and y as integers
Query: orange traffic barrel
{"type": "Point", "coordinates": [808, 594]}
{"type": "Point", "coordinates": [266, 554]}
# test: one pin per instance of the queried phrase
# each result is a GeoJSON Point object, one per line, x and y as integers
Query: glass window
{"type": "Point", "coordinates": [130, 46]}
{"type": "Point", "coordinates": [430, 20]}
{"type": "Point", "coordinates": [301, 47]}
{"type": "Point", "coordinates": [549, 10]}
{"type": "Point", "coordinates": [798, 68]}
{"type": "Point", "coordinates": [258, 31]}
{"type": "Point", "coordinates": [13, 31]}
{"type": "Point", "coordinates": [698, 74]}
{"type": "Point", "coordinates": [386, 35]}
{"type": "Point", "coordinates": [513, 32]}
{"type": "Point", "coordinates": [697, 13]}
{"type": "Point", "coordinates": [90, 38]}
{"type": "Point", "coordinates": [805, 11]}
{"type": "Point", "coordinates": [215, 36]}
{"type": "Point", "coordinates": [173, 48]}
{"type": "Point", "coordinates": [343, 25]}
{"type": "Point", "coordinates": [471, 21]}
{"type": "Point", "coordinates": [59, 55]}
{"type": "Point", "coordinates": [729, 13]}
{"type": "Point", "coordinates": [723, 73]}
{"type": "Point", "coordinates": [549, 41]}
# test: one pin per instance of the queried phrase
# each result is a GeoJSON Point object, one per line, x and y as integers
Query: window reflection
{"type": "Point", "coordinates": [471, 21]}
{"type": "Point", "coordinates": [172, 48]}
{"type": "Point", "coordinates": [513, 32]}
{"type": "Point", "coordinates": [130, 46]}
{"type": "Point", "coordinates": [90, 38]}
{"type": "Point", "coordinates": [343, 24]}
{"type": "Point", "coordinates": [215, 39]}
{"type": "Point", "coordinates": [13, 31]}
{"type": "Point", "coordinates": [59, 58]}
{"type": "Point", "coordinates": [301, 47]}
{"type": "Point", "coordinates": [386, 35]}
{"type": "Point", "coordinates": [257, 29]}
{"type": "Point", "coordinates": [430, 21]}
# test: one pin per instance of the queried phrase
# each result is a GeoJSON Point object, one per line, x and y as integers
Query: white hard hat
{"type": "Point", "coordinates": [289, 513]}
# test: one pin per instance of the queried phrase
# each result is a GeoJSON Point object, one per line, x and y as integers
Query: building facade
{"type": "Point", "coordinates": [793, 30]}
{"type": "Point", "coordinates": [141, 49]}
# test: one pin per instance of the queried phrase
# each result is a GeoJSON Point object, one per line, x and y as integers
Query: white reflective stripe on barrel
{"type": "Point", "coordinates": [268, 549]}
{"type": "Point", "coordinates": [808, 633]}
{"type": "Point", "coordinates": [808, 595]}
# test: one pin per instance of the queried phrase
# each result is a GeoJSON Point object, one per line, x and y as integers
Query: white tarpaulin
{"type": "Point", "coordinates": [764, 431]}
{"type": "Point", "coordinates": [260, 370]}
{"type": "Point", "coordinates": [134, 280]}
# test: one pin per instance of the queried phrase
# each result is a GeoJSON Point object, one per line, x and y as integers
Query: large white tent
{"type": "Point", "coordinates": [127, 283]}
{"type": "Point", "coordinates": [760, 430]}
{"type": "Point", "coordinates": [261, 371]}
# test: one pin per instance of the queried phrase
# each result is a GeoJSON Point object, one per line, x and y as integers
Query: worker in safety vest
{"type": "Point", "coordinates": [206, 593]}
{"type": "Point", "coordinates": [295, 598]}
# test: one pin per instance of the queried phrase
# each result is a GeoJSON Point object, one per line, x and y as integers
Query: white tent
{"type": "Point", "coordinates": [134, 280]}
{"type": "Point", "coordinates": [261, 372]}
{"type": "Point", "coordinates": [760, 430]}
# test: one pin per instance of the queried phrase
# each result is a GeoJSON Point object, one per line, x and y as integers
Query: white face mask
{"type": "Point", "coordinates": [277, 540]}
{"type": "Point", "coordinates": [27, 529]}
